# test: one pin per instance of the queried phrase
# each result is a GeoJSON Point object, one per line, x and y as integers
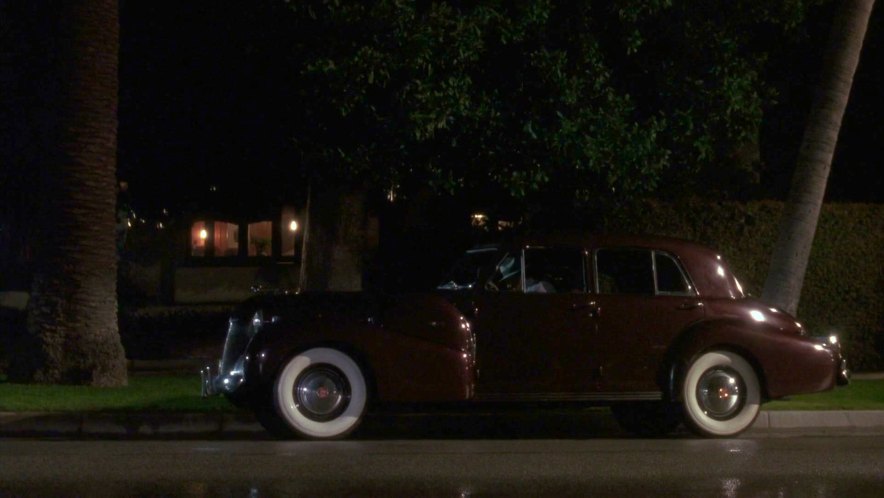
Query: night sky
{"type": "Point", "coordinates": [204, 102]}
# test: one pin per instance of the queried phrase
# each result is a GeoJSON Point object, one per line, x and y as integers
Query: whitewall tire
{"type": "Point", "coordinates": [320, 394]}
{"type": "Point", "coordinates": [721, 394]}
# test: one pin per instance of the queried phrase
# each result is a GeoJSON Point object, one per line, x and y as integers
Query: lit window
{"type": "Point", "coordinates": [479, 220]}
{"type": "Point", "coordinates": [226, 239]}
{"type": "Point", "coordinates": [260, 238]}
{"type": "Point", "coordinates": [198, 237]}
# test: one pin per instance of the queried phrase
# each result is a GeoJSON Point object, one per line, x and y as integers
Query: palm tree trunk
{"type": "Point", "coordinates": [797, 228]}
{"type": "Point", "coordinates": [72, 314]}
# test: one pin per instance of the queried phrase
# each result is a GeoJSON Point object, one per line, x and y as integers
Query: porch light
{"type": "Point", "coordinates": [293, 226]}
{"type": "Point", "coordinates": [204, 234]}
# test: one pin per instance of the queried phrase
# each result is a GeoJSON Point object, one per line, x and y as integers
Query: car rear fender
{"type": "Point", "coordinates": [727, 334]}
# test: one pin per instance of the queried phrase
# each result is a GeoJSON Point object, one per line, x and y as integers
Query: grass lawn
{"type": "Point", "coordinates": [144, 393]}
{"type": "Point", "coordinates": [181, 393]}
{"type": "Point", "coordinates": [859, 395]}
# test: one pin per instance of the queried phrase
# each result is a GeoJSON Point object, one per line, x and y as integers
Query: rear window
{"type": "Point", "coordinates": [670, 278]}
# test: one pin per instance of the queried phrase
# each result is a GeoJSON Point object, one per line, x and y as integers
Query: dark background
{"type": "Point", "coordinates": [205, 101]}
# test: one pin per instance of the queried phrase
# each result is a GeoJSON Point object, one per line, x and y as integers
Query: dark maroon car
{"type": "Point", "coordinates": [657, 328]}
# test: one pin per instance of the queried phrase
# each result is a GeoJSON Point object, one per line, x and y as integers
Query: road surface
{"type": "Point", "coordinates": [766, 466]}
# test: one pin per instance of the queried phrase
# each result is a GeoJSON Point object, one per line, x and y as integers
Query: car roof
{"type": "Point", "coordinates": [702, 262]}
{"type": "Point", "coordinates": [586, 239]}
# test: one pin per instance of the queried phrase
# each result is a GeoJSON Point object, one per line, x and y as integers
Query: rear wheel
{"type": "Point", "coordinates": [319, 394]}
{"type": "Point", "coordinates": [721, 394]}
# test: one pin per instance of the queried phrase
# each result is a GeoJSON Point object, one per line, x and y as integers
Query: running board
{"type": "Point", "coordinates": [616, 396]}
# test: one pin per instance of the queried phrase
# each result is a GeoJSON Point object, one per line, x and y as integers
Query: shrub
{"type": "Point", "coordinates": [162, 332]}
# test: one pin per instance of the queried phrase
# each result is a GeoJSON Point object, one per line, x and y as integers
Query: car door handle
{"type": "Point", "coordinates": [689, 305]}
{"type": "Point", "coordinates": [593, 308]}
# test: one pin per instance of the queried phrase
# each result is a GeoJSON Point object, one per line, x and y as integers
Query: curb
{"type": "Point", "coordinates": [820, 419]}
{"type": "Point", "coordinates": [139, 425]}
{"type": "Point", "coordinates": [125, 424]}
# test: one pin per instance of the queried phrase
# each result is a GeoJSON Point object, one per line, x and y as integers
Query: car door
{"type": "Point", "coordinates": [533, 328]}
{"type": "Point", "coordinates": [645, 299]}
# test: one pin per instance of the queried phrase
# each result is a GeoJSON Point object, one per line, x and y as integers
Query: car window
{"type": "Point", "coordinates": [670, 278]}
{"type": "Point", "coordinates": [465, 271]}
{"type": "Point", "coordinates": [507, 274]}
{"type": "Point", "coordinates": [624, 271]}
{"type": "Point", "coordinates": [549, 270]}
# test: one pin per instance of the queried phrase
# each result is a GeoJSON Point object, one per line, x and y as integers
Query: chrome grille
{"type": "Point", "coordinates": [235, 345]}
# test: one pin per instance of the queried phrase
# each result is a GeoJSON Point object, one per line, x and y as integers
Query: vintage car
{"type": "Point", "coordinates": [657, 328]}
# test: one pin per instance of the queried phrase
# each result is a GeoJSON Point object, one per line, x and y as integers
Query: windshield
{"type": "Point", "coordinates": [465, 271]}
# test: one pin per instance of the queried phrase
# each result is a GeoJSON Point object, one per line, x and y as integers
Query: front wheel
{"type": "Point", "coordinates": [721, 394]}
{"type": "Point", "coordinates": [320, 394]}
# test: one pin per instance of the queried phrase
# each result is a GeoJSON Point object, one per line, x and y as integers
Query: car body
{"type": "Point", "coordinates": [657, 328]}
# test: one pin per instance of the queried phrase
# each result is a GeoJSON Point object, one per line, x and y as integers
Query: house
{"type": "Point", "coordinates": [222, 257]}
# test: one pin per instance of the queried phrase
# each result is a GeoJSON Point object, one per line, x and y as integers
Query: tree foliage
{"type": "Point", "coordinates": [590, 97]}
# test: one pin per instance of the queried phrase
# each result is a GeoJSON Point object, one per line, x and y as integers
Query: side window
{"type": "Point", "coordinates": [465, 272]}
{"type": "Point", "coordinates": [624, 271]}
{"type": "Point", "coordinates": [670, 279]}
{"type": "Point", "coordinates": [507, 274]}
{"type": "Point", "coordinates": [550, 270]}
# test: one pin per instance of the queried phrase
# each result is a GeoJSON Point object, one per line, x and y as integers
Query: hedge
{"type": "Point", "coordinates": [843, 289]}
{"type": "Point", "coordinates": [163, 332]}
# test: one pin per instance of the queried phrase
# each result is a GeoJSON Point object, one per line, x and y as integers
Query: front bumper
{"type": "Point", "coordinates": [842, 377]}
{"type": "Point", "coordinates": [230, 373]}
{"type": "Point", "coordinates": [833, 344]}
{"type": "Point", "coordinates": [221, 383]}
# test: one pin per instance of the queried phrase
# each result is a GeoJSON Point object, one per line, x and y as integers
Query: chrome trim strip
{"type": "Point", "coordinates": [603, 396]}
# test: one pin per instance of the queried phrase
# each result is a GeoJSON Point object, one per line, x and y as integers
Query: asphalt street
{"type": "Point", "coordinates": [748, 466]}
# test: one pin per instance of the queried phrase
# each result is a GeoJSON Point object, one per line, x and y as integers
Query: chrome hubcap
{"type": "Point", "coordinates": [720, 393]}
{"type": "Point", "coordinates": [321, 393]}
